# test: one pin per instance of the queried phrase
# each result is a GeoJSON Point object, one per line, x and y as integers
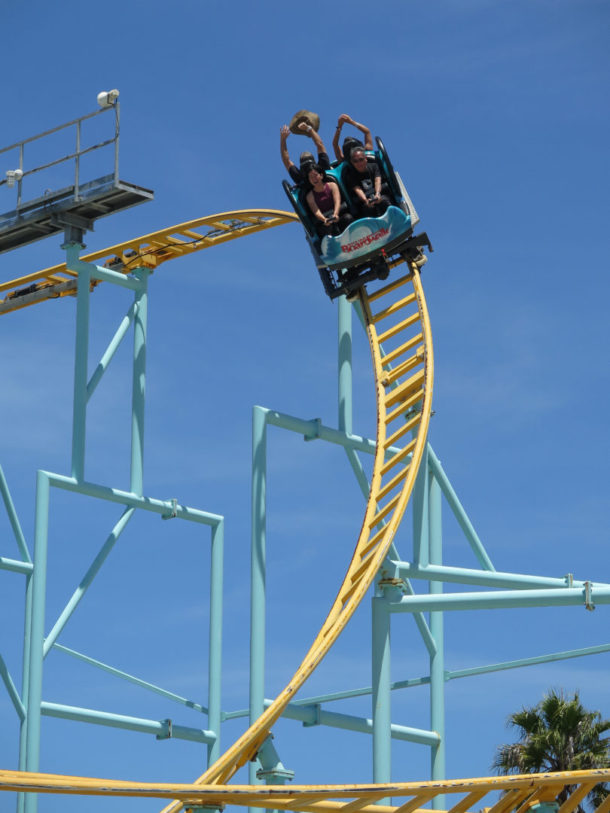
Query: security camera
{"type": "Point", "coordinates": [107, 97]}
{"type": "Point", "coordinates": [12, 176]}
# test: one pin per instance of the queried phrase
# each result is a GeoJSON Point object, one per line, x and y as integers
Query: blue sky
{"type": "Point", "coordinates": [496, 116]}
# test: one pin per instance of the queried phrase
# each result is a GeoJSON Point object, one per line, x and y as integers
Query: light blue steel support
{"type": "Point", "coordinates": [16, 566]}
{"type": "Point", "coordinates": [127, 498]}
{"type": "Point", "coordinates": [215, 641]}
{"type": "Point", "coordinates": [163, 729]}
{"type": "Point", "coordinates": [461, 516]}
{"type": "Point", "coordinates": [25, 684]}
{"type": "Point", "coordinates": [39, 576]}
{"type": "Point", "coordinates": [507, 599]}
{"type": "Point", "coordinates": [139, 382]}
{"type": "Point", "coordinates": [382, 715]}
{"type": "Point", "coordinates": [87, 580]}
{"type": "Point", "coordinates": [313, 715]}
{"type": "Point", "coordinates": [437, 659]}
{"type": "Point", "coordinates": [344, 313]}
{"type": "Point", "coordinates": [257, 598]}
{"type": "Point", "coordinates": [14, 519]}
{"type": "Point", "coordinates": [420, 514]}
{"type": "Point", "coordinates": [551, 658]}
{"type": "Point", "coordinates": [11, 689]}
{"type": "Point", "coordinates": [176, 698]}
{"type": "Point", "coordinates": [483, 578]}
{"type": "Point", "coordinates": [81, 356]}
{"type": "Point", "coordinates": [114, 345]}
{"type": "Point", "coordinates": [272, 771]}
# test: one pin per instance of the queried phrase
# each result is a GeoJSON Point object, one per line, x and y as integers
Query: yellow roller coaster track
{"type": "Point", "coordinates": [150, 251]}
{"type": "Point", "coordinates": [518, 794]}
{"type": "Point", "coordinates": [403, 384]}
{"type": "Point", "coordinates": [396, 317]}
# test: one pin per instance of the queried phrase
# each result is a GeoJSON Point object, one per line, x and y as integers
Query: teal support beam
{"type": "Point", "coordinates": [34, 692]}
{"type": "Point", "coordinates": [215, 640]}
{"type": "Point", "coordinates": [167, 508]}
{"type": "Point", "coordinates": [25, 683]}
{"type": "Point", "coordinates": [16, 566]}
{"type": "Point", "coordinates": [482, 578]}
{"type": "Point", "coordinates": [258, 568]}
{"type": "Point", "coordinates": [162, 729]}
{"type": "Point", "coordinates": [114, 345]}
{"type": "Point", "coordinates": [506, 599]}
{"type": "Point", "coordinates": [271, 771]}
{"type": "Point", "coordinates": [419, 501]}
{"type": "Point", "coordinates": [314, 715]}
{"type": "Point", "coordinates": [533, 661]}
{"type": "Point", "coordinates": [381, 711]}
{"type": "Point", "coordinates": [11, 689]}
{"type": "Point", "coordinates": [87, 580]}
{"type": "Point", "coordinates": [344, 313]}
{"type": "Point", "coordinates": [130, 678]}
{"type": "Point", "coordinates": [81, 357]}
{"type": "Point", "coordinates": [14, 521]}
{"type": "Point", "coordinates": [458, 511]}
{"type": "Point", "coordinates": [139, 382]}
{"type": "Point", "coordinates": [437, 659]}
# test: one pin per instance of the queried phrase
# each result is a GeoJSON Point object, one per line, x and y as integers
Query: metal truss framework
{"type": "Point", "coordinates": [402, 370]}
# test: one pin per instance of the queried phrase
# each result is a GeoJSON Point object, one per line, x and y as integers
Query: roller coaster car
{"type": "Point", "coordinates": [363, 250]}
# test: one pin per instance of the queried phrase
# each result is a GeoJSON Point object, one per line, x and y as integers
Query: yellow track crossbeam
{"type": "Point", "coordinates": [149, 251]}
{"type": "Point", "coordinates": [519, 793]}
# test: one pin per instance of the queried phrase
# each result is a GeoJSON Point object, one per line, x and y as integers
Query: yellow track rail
{"type": "Point", "coordinates": [149, 250]}
{"type": "Point", "coordinates": [395, 316]}
{"type": "Point", "coordinates": [518, 794]}
{"type": "Point", "coordinates": [403, 383]}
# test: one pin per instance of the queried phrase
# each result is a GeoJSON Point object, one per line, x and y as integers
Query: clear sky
{"type": "Point", "coordinates": [495, 112]}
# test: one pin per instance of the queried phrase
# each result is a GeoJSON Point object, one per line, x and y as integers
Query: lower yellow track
{"type": "Point", "coordinates": [517, 794]}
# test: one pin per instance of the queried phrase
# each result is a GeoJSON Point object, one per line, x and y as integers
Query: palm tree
{"type": "Point", "coordinates": [558, 734]}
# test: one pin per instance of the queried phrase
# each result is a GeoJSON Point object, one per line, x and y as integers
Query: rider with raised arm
{"type": "Point", "coordinates": [302, 124]}
{"type": "Point", "coordinates": [350, 142]}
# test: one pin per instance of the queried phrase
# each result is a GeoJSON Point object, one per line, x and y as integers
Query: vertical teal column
{"type": "Point", "coordinates": [215, 653]}
{"type": "Point", "coordinates": [345, 365]}
{"type": "Point", "coordinates": [420, 514]}
{"type": "Point", "coordinates": [139, 382]}
{"type": "Point", "coordinates": [81, 356]}
{"type": "Point", "coordinates": [39, 577]}
{"type": "Point", "coordinates": [257, 598]}
{"type": "Point", "coordinates": [25, 682]}
{"type": "Point", "coordinates": [437, 658]}
{"type": "Point", "coordinates": [382, 732]}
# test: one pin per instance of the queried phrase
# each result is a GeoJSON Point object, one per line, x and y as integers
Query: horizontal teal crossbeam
{"type": "Point", "coordinates": [314, 715]}
{"type": "Point", "coordinates": [162, 729]}
{"type": "Point", "coordinates": [163, 507]}
{"type": "Point", "coordinates": [15, 566]}
{"type": "Point", "coordinates": [462, 575]}
{"type": "Point", "coordinates": [503, 599]}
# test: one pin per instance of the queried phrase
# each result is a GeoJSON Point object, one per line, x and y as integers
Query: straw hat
{"type": "Point", "coordinates": [307, 116]}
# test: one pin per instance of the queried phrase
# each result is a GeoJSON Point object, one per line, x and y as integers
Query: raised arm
{"type": "Point", "coordinates": [345, 119]}
{"type": "Point", "coordinates": [315, 137]}
{"type": "Point", "coordinates": [368, 138]}
{"type": "Point", "coordinates": [284, 133]}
